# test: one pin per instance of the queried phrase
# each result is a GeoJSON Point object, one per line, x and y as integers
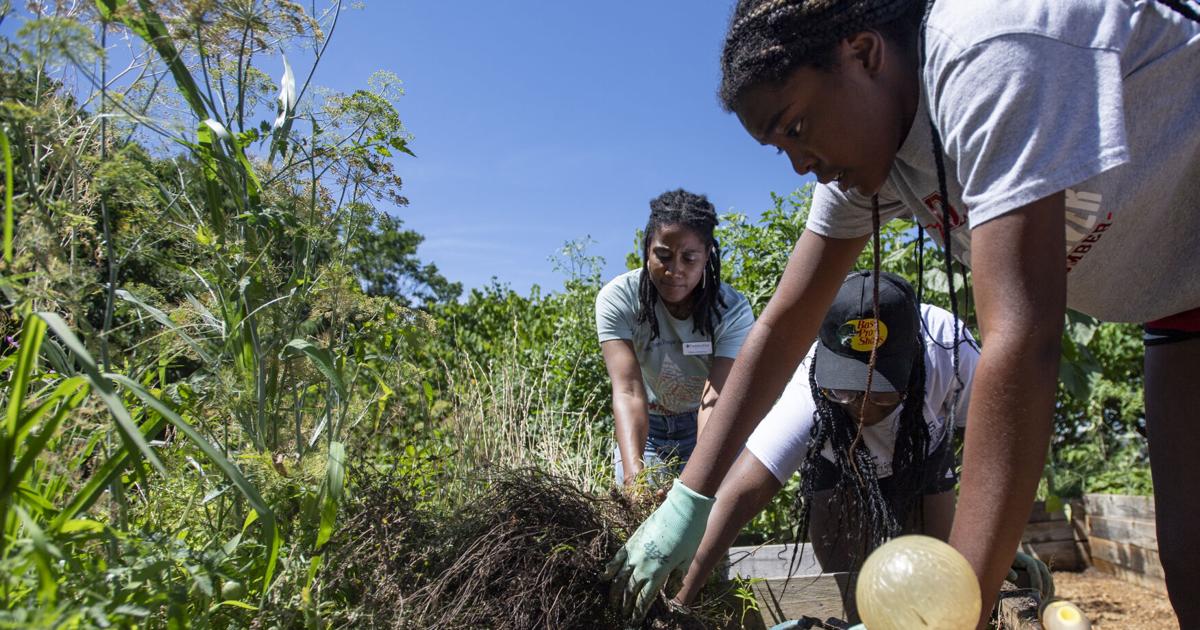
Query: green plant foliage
{"type": "Point", "coordinates": [192, 357]}
{"type": "Point", "coordinates": [213, 321]}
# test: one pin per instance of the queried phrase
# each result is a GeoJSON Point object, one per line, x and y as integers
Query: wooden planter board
{"type": "Point", "coordinates": [1050, 537]}
{"type": "Point", "coordinates": [821, 595]}
{"type": "Point", "coordinates": [808, 593]}
{"type": "Point", "coordinates": [1122, 538]}
{"type": "Point", "coordinates": [1018, 609]}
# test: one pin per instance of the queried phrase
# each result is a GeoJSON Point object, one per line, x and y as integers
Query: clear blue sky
{"type": "Point", "coordinates": [537, 122]}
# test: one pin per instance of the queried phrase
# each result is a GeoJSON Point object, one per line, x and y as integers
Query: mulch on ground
{"type": "Point", "coordinates": [1113, 604]}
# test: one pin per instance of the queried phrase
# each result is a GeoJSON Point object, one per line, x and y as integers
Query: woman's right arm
{"type": "Point", "coordinates": [747, 489]}
{"type": "Point", "coordinates": [630, 411]}
{"type": "Point", "coordinates": [768, 358]}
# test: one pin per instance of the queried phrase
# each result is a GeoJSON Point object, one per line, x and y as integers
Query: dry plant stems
{"type": "Point", "coordinates": [518, 549]}
{"type": "Point", "coordinates": [507, 414]}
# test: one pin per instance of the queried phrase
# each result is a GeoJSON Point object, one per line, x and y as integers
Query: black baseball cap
{"type": "Point", "coordinates": [848, 333]}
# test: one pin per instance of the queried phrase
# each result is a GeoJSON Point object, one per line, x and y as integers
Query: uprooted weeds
{"type": "Point", "coordinates": [505, 549]}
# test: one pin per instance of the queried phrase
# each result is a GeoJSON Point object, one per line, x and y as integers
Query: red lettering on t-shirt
{"type": "Point", "coordinates": [1079, 251]}
{"type": "Point", "coordinates": [934, 202]}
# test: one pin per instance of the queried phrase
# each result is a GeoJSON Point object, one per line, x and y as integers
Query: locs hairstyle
{"type": "Point", "coordinates": [857, 487]}
{"type": "Point", "coordinates": [680, 207]}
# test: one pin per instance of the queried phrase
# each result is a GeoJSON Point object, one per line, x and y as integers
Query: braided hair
{"type": "Point", "coordinates": [769, 39]}
{"type": "Point", "coordinates": [857, 488]}
{"type": "Point", "coordinates": [680, 207]}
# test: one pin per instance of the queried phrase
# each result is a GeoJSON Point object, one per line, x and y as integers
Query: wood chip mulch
{"type": "Point", "coordinates": [1114, 604]}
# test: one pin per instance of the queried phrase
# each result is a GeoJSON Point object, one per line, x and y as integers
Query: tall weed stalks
{"type": "Point", "coordinates": [508, 413]}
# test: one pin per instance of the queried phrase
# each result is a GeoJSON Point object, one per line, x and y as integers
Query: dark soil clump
{"type": "Point", "coordinates": [514, 550]}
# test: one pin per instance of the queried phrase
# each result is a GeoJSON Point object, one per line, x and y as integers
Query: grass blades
{"type": "Point", "coordinates": [8, 197]}
{"type": "Point", "coordinates": [133, 438]}
{"type": "Point", "coordinates": [270, 527]}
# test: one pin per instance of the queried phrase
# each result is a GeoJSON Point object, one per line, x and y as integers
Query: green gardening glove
{"type": "Point", "coordinates": [1039, 575]}
{"type": "Point", "coordinates": [664, 544]}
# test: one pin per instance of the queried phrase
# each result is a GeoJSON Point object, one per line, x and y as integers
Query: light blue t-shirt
{"type": "Point", "coordinates": [673, 374]}
{"type": "Point", "coordinates": [1032, 97]}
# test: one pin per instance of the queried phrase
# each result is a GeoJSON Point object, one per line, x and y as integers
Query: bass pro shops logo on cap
{"type": "Point", "coordinates": [859, 334]}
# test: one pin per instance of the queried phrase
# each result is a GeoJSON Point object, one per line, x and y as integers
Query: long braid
{"type": "Point", "coordinates": [862, 411]}
{"type": "Point", "coordinates": [947, 237]}
{"type": "Point", "coordinates": [920, 263]}
{"type": "Point", "coordinates": [680, 207]}
{"type": "Point", "coordinates": [913, 439]}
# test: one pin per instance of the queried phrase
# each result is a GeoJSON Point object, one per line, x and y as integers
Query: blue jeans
{"type": "Point", "coordinates": [668, 446]}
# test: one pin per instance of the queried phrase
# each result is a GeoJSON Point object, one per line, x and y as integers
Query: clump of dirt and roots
{"type": "Point", "coordinates": [514, 549]}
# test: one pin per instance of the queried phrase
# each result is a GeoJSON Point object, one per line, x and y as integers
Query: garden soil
{"type": "Point", "coordinates": [1114, 604]}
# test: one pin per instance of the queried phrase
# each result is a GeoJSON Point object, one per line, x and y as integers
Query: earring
{"type": "Point", "coordinates": [704, 280]}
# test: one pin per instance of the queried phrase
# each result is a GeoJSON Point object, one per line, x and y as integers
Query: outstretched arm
{"type": "Point", "coordinates": [1020, 292]}
{"type": "Point", "coordinates": [768, 358]}
{"type": "Point", "coordinates": [747, 489]}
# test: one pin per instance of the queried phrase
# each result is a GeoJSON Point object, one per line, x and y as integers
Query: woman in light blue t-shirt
{"type": "Point", "coordinates": [669, 333]}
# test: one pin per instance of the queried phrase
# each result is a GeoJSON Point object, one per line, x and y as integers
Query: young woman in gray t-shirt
{"type": "Point", "coordinates": [1053, 146]}
{"type": "Point", "coordinates": [669, 333]}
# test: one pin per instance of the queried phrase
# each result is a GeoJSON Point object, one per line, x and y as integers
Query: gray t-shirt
{"type": "Point", "coordinates": [1094, 97]}
{"type": "Point", "coordinates": [676, 364]}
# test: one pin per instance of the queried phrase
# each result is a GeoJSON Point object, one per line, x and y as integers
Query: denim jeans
{"type": "Point", "coordinates": [668, 446]}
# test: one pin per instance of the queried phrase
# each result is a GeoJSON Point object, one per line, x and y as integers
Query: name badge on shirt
{"type": "Point", "coordinates": [693, 348]}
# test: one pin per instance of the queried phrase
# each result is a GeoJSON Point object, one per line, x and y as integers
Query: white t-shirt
{"type": "Point", "coordinates": [1095, 97]}
{"type": "Point", "coordinates": [781, 440]}
{"type": "Point", "coordinates": [676, 364]}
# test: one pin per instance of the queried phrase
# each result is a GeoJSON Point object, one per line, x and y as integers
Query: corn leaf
{"type": "Point", "coordinates": [270, 529]}
{"type": "Point", "coordinates": [151, 28]}
{"type": "Point", "coordinates": [32, 333]}
{"type": "Point", "coordinates": [335, 480]}
{"type": "Point", "coordinates": [322, 360]}
{"type": "Point", "coordinates": [208, 166]}
{"type": "Point", "coordinates": [130, 434]}
{"type": "Point", "coordinates": [8, 197]}
{"type": "Point", "coordinates": [66, 397]}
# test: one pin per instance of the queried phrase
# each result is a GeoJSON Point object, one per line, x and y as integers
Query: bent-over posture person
{"type": "Point", "coordinates": [1053, 146]}
{"type": "Point", "coordinates": [669, 333]}
{"type": "Point", "coordinates": [903, 482]}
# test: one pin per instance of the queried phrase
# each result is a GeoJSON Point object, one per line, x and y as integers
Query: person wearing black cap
{"type": "Point", "coordinates": [896, 422]}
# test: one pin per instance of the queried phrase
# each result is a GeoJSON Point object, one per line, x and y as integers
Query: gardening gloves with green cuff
{"type": "Point", "coordinates": [663, 545]}
{"type": "Point", "coordinates": [1039, 575]}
